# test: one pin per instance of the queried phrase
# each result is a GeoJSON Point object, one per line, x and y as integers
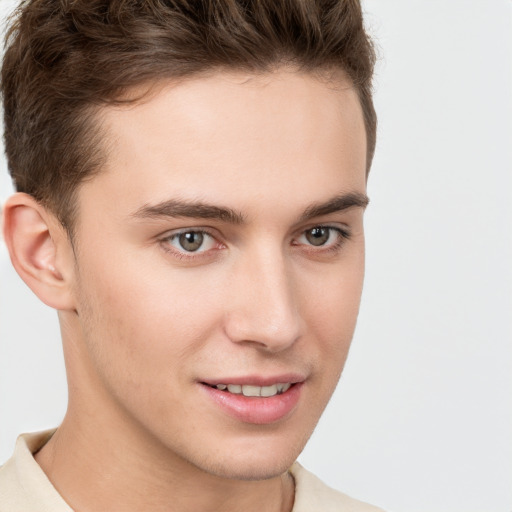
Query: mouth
{"type": "Point", "coordinates": [256, 400]}
{"type": "Point", "coordinates": [252, 390]}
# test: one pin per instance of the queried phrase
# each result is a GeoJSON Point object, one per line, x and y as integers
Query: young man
{"type": "Point", "coordinates": [191, 185]}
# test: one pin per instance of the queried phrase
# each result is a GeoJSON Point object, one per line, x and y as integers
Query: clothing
{"type": "Point", "coordinates": [24, 486]}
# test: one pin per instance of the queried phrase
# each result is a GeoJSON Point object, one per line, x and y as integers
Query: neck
{"type": "Point", "coordinates": [96, 466]}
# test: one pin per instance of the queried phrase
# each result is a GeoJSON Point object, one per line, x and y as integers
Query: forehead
{"type": "Point", "coordinates": [235, 134]}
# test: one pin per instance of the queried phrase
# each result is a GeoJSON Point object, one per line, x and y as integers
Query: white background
{"type": "Point", "coordinates": [422, 419]}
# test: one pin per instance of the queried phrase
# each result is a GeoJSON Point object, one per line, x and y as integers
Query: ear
{"type": "Point", "coordinates": [40, 250]}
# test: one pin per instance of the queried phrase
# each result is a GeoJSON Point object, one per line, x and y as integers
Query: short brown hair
{"type": "Point", "coordinates": [66, 58]}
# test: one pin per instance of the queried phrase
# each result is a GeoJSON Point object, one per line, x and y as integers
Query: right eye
{"type": "Point", "coordinates": [190, 241]}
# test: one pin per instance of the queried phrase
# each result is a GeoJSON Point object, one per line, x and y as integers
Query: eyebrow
{"type": "Point", "coordinates": [198, 210]}
{"type": "Point", "coordinates": [190, 209]}
{"type": "Point", "coordinates": [336, 204]}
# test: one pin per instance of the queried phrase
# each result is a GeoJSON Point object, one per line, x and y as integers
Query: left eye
{"type": "Point", "coordinates": [192, 241]}
{"type": "Point", "coordinates": [320, 236]}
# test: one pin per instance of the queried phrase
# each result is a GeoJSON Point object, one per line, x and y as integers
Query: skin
{"type": "Point", "coordinates": [144, 322]}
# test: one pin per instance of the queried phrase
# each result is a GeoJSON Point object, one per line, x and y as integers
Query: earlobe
{"type": "Point", "coordinates": [39, 248]}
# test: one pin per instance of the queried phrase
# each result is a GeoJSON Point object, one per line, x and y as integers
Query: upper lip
{"type": "Point", "coordinates": [257, 380]}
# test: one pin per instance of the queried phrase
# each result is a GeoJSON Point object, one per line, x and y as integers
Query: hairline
{"type": "Point", "coordinates": [102, 141]}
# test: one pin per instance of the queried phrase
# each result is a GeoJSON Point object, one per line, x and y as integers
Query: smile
{"type": "Point", "coordinates": [254, 391]}
{"type": "Point", "coordinates": [261, 404]}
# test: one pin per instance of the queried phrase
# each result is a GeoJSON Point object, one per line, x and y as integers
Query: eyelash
{"type": "Point", "coordinates": [184, 255]}
{"type": "Point", "coordinates": [333, 248]}
{"type": "Point", "coordinates": [343, 236]}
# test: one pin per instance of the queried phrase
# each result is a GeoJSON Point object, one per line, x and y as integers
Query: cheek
{"type": "Point", "coordinates": [140, 318]}
{"type": "Point", "coordinates": [337, 298]}
{"type": "Point", "coordinates": [330, 306]}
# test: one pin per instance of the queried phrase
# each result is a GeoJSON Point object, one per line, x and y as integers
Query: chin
{"type": "Point", "coordinates": [259, 461]}
{"type": "Point", "coordinates": [248, 470]}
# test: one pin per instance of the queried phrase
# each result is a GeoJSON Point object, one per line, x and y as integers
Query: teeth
{"type": "Point", "coordinates": [281, 388]}
{"type": "Point", "coordinates": [249, 390]}
{"type": "Point", "coordinates": [269, 390]}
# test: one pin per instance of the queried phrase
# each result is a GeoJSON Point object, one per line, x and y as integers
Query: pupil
{"type": "Point", "coordinates": [317, 236]}
{"type": "Point", "coordinates": [191, 241]}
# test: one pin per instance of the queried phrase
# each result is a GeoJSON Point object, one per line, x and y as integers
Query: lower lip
{"type": "Point", "coordinates": [256, 410]}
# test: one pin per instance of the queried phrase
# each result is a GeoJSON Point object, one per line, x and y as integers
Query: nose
{"type": "Point", "coordinates": [263, 308]}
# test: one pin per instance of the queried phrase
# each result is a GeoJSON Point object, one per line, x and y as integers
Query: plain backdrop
{"type": "Point", "coordinates": [422, 418]}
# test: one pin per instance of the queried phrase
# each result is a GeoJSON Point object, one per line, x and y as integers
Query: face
{"type": "Point", "coordinates": [219, 256]}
